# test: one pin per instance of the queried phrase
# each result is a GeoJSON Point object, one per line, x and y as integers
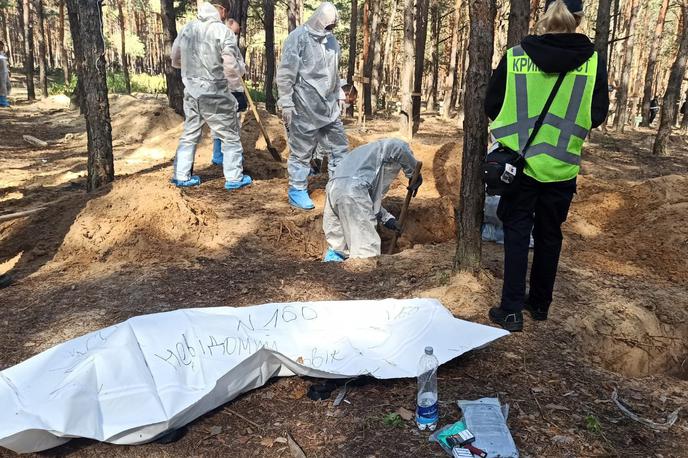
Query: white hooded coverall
{"type": "Point", "coordinates": [354, 196]}
{"type": "Point", "coordinates": [207, 52]}
{"type": "Point", "coordinates": [308, 82]}
{"type": "Point", "coordinates": [5, 86]}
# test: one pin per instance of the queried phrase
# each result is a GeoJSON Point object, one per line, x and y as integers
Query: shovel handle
{"type": "Point", "coordinates": [404, 209]}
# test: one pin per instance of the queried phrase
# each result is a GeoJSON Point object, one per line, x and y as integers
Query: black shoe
{"type": "Point", "coordinates": [536, 313]}
{"type": "Point", "coordinates": [511, 321]}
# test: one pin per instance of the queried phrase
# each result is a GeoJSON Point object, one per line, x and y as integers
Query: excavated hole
{"type": "Point", "coordinates": [640, 354]}
{"type": "Point", "coordinates": [429, 221]}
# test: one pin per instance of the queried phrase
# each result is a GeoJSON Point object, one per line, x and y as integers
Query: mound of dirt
{"type": "Point", "coordinates": [135, 119]}
{"type": "Point", "coordinates": [141, 219]}
{"type": "Point", "coordinates": [635, 229]}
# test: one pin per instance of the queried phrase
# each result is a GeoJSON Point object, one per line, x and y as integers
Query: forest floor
{"type": "Point", "coordinates": [138, 246]}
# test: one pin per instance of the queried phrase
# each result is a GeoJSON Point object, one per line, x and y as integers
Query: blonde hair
{"type": "Point", "coordinates": [558, 19]}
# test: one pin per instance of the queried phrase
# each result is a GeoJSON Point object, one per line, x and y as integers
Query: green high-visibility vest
{"type": "Point", "coordinates": [555, 152]}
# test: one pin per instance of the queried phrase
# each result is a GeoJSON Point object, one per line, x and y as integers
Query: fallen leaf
{"type": "Point", "coordinates": [243, 439]}
{"type": "Point", "coordinates": [405, 413]}
{"type": "Point", "coordinates": [294, 448]}
{"type": "Point", "coordinates": [555, 407]}
{"type": "Point", "coordinates": [215, 430]}
{"type": "Point", "coordinates": [266, 442]}
{"type": "Point", "coordinates": [281, 440]}
{"type": "Point", "coordinates": [562, 440]}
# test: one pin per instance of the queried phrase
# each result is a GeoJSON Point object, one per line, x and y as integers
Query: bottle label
{"type": "Point", "coordinates": [427, 414]}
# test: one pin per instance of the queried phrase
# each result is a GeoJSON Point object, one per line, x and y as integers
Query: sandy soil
{"type": "Point", "coordinates": [85, 261]}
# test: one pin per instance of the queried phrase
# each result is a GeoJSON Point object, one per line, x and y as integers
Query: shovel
{"type": "Point", "coordinates": [275, 154]}
{"type": "Point", "coordinates": [404, 209]}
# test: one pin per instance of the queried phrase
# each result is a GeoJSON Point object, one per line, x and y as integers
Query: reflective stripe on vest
{"type": "Point", "coordinates": [556, 150]}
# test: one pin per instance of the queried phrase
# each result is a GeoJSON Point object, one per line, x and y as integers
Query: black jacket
{"type": "Point", "coordinates": [554, 53]}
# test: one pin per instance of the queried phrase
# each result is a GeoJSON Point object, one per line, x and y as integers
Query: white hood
{"type": "Point", "coordinates": [324, 16]}
{"type": "Point", "coordinates": [208, 12]}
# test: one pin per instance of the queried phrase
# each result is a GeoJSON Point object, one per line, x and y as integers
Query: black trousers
{"type": "Point", "coordinates": [541, 208]}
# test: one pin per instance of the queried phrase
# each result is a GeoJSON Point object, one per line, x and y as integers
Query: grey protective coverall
{"type": "Point", "coordinates": [355, 192]}
{"type": "Point", "coordinates": [5, 86]}
{"type": "Point", "coordinates": [207, 52]}
{"type": "Point", "coordinates": [308, 83]}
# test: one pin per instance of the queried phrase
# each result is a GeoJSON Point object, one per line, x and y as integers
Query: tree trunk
{"type": "Point", "coordinates": [684, 119]}
{"type": "Point", "coordinates": [406, 86]}
{"type": "Point", "coordinates": [173, 76]}
{"type": "Point", "coordinates": [673, 92]}
{"type": "Point", "coordinates": [387, 57]}
{"type": "Point", "coordinates": [652, 62]}
{"type": "Point", "coordinates": [364, 67]}
{"type": "Point", "coordinates": [372, 52]}
{"type": "Point", "coordinates": [376, 55]}
{"type": "Point", "coordinates": [453, 53]}
{"type": "Point", "coordinates": [351, 69]}
{"type": "Point", "coordinates": [42, 50]}
{"type": "Point", "coordinates": [421, 38]}
{"type": "Point", "coordinates": [602, 31]}
{"type": "Point", "coordinates": [269, 9]}
{"type": "Point", "coordinates": [86, 19]}
{"type": "Point", "coordinates": [28, 49]}
{"type": "Point", "coordinates": [621, 117]}
{"type": "Point", "coordinates": [294, 13]}
{"type": "Point", "coordinates": [469, 214]}
{"type": "Point", "coordinates": [123, 45]}
{"type": "Point", "coordinates": [64, 59]}
{"type": "Point", "coordinates": [519, 22]}
{"type": "Point", "coordinates": [436, 25]}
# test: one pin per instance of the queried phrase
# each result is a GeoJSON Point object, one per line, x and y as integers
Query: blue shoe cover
{"type": "Point", "coordinates": [193, 181]}
{"type": "Point", "coordinates": [234, 185]}
{"type": "Point", "coordinates": [4, 102]}
{"type": "Point", "coordinates": [299, 198]}
{"type": "Point", "coordinates": [333, 256]}
{"type": "Point", "coordinates": [217, 152]}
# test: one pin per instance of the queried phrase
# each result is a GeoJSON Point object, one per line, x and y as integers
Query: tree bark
{"type": "Point", "coordinates": [64, 59]}
{"type": "Point", "coordinates": [534, 13]}
{"type": "Point", "coordinates": [469, 214]}
{"type": "Point", "coordinates": [173, 76]}
{"type": "Point", "coordinates": [42, 50]}
{"type": "Point", "coordinates": [453, 53]}
{"type": "Point", "coordinates": [28, 48]}
{"type": "Point", "coordinates": [621, 117]}
{"type": "Point", "coordinates": [684, 119]}
{"type": "Point", "coordinates": [602, 31]}
{"type": "Point", "coordinates": [86, 19]}
{"type": "Point", "coordinates": [421, 38]}
{"type": "Point", "coordinates": [376, 55]}
{"type": "Point", "coordinates": [652, 62]}
{"type": "Point", "coordinates": [387, 57]}
{"type": "Point", "coordinates": [436, 27]}
{"type": "Point", "coordinates": [123, 45]}
{"type": "Point", "coordinates": [364, 67]}
{"type": "Point", "coordinates": [406, 86]}
{"type": "Point", "coordinates": [372, 53]}
{"type": "Point", "coordinates": [269, 17]}
{"type": "Point", "coordinates": [519, 22]}
{"type": "Point", "coordinates": [294, 13]}
{"type": "Point", "coordinates": [351, 69]}
{"type": "Point", "coordinates": [672, 96]}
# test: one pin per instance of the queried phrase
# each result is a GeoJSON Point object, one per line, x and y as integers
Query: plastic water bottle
{"type": "Point", "coordinates": [427, 411]}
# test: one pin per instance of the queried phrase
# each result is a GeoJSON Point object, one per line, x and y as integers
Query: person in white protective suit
{"type": "Point", "coordinates": [5, 86]}
{"type": "Point", "coordinates": [236, 87]}
{"type": "Point", "coordinates": [354, 198]}
{"type": "Point", "coordinates": [206, 51]}
{"type": "Point", "coordinates": [309, 97]}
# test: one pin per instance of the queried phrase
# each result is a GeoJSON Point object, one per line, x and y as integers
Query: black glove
{"type": "Point", "coordinates": [414, 187]}
{"type": "Point", "coordinates": [393, 225]}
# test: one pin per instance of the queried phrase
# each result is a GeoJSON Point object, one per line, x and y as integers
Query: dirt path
{"type": "Point", "coordinates": [620, 318]}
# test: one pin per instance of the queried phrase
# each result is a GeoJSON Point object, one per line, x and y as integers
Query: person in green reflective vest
{"type": "Point", "coordinates": [517, 93]}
